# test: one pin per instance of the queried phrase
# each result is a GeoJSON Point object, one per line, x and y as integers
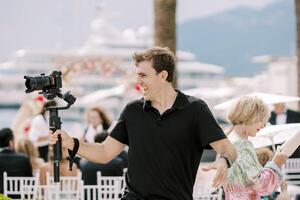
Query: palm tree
{"type": "Point", "coordinates": [297, 6]}
{"type": "Point", "coordinates": [165, 26]}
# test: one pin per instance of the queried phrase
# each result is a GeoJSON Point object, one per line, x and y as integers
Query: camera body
{"type": "Point", "coordinates": [53, 81]}
{"type": "Point", "coordinates": [50, 85]}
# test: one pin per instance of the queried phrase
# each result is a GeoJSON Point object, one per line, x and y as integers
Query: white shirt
{"type": "Point", "coordinates": [38, 128]}
{"type": "Point", "coordinates": [91, 132]}
{"type": "Point", "coordinates": [281, 118]}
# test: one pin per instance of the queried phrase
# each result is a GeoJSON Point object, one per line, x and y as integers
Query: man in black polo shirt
{"type": "Point", "coordinates": [166, 132]}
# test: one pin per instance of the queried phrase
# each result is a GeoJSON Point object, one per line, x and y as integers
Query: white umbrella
{"type": "Point", "coordinates": [256, 141]}
{"type": "Point", "coordinates": [267, 98]}
{"type": "Point", "coordinates": [219, 92]}
{"type": "Point", "coordinates": [275, 134]}
{"type": "Point", "coordinates": [260, 142]}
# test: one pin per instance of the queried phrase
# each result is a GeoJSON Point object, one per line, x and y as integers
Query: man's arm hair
{"type": "Point", "coordinates": [101, 152]}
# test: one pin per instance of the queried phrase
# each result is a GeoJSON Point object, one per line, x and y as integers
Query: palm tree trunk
{"type": "Point", "coordinates": [297, 7]}
{"type": "Point", "coordinates": [165, 26]}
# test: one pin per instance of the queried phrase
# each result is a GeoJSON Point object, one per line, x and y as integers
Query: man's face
{"type": "Point", "coordinates": [279, 108]}
{"type": "Point", "coordinates": [148, 79]}
{"type": "Point", "coordinates": [12, 144]}
{"type": "Point", "coordinates": [94, 118]}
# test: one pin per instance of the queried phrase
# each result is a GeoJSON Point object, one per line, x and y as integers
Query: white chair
{"type": "Point", "coordinates": [291, 171]}
{"type": "Point", "coordinates": [12, 185]}
{"type": "Point", "coordinates": [91, 192]}
{"type": "Point", "coordinates": [110, 187]}
{"type": "Point", "coordinates": [291, 174]}
{"type": "Point", "coordinates": [45, 192]}
{"type": "Point", "coordinates": [69, 187]}
{"type": "Point", "coordinates": [125, 171]}
{"type": "Point", "coordinates": [206, 192]}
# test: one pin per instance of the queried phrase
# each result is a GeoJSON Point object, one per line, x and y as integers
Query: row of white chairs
{"type": "Point", "coordinates": [107, 188]}
{"type": "Point", "coordinates": [291, 174]}
{"type": "Point", "coordinates": [69, 188]}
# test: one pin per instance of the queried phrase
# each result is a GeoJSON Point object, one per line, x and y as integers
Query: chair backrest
{"type": "Point", "coordinates": [12, 185]}
{"type": "Point", "coordinates": [91, 192]}
{"type": "Point", "coordinates": [69, 187]}
{"type": "Point", "coordinates": [110, 187]}
{"type": "Point", "coordinates": [45, 192]}
{"type": "Point", "coordinates": [206, 192]}
{"type": "Point", "coordinates": [291, 171]}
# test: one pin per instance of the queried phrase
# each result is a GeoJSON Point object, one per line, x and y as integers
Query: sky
{"type": "Point", "coordinates": [186, 9]}
{"type": "Point", "coordinates": [61, 24]}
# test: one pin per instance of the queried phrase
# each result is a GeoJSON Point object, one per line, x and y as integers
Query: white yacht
{"type": "Point", "coordinates": [102, 63]}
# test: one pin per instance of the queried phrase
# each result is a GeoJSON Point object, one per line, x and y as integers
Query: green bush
{"type": "Point", "coordinates": [2, 197]}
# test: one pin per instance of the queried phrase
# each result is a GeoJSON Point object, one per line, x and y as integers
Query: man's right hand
{"type": "Point", "coordinates": [66, 140]}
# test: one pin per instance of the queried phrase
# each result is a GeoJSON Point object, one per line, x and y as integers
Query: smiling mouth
{"type": "Point", "coordinates": [145, 89]}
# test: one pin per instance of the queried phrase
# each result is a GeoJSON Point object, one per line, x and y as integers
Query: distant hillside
{"type": "Point", "coordinates": [232, 38]}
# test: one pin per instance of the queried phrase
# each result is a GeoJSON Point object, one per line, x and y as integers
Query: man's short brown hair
{"type": "Point", "coordinates": [162, 59]}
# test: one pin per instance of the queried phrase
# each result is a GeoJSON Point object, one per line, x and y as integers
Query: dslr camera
{"type": "Point", "coordinates": [48, 84]}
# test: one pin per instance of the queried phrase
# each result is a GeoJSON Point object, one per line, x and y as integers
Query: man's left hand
{"type": "Point", "coordinates": [221, 174]}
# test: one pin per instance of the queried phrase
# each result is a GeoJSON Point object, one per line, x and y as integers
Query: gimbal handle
{"type": "Point", "coordinates": [55, 124]}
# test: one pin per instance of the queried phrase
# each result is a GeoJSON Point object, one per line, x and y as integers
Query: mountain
{"type": "Point", "coordinates": [232, 38]}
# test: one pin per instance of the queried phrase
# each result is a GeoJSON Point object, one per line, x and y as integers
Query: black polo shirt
{"type": "Point", "coordinates": [165, 150]}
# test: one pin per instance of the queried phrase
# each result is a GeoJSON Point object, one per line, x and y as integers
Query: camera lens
{"type": "Point", "coordinates": [37, 83]}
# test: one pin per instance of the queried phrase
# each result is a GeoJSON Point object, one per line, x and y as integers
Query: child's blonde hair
{"type": "Point", "coordinates": [248, 110]}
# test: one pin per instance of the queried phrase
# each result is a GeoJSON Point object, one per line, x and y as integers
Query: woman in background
{"type": "Point", "coordinates": [25, 146]}
{"type": "Point", "coordinates": [47, 168]}
{"type": "Point", "coordinates": [28, 109]}
{"type": "Point", "coordinates": [98, 121]}
{"type": "Point", "coordinates": [39, 130]}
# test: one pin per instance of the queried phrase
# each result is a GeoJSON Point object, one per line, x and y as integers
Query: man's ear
{"type": "Point", "coordinates": [164, 75]}
{"type": "Point", "coordinates": [12, 144]}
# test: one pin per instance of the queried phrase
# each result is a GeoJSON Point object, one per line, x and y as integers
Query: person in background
{"type": "Point", "coordinates": [89, 169]}
{"type": "Point", "coordinates": [282, 115]}
{"type": "Point", "coordinates": [39, 130]}
{"type": "Point", "coordinates": [98, 121]}
{"type": "Point", "coordinates": [64, 166]}
{"type": "Point", "coordinates": [15, 164]}
{"type": "Point", "coordinates": [28, 109]}
{"type": "Point", "coordinates": [264, 155]}
{"type": "Point", "coordinates": [26, 146]}
{"type": "Point", "coordinates": [247, 178]}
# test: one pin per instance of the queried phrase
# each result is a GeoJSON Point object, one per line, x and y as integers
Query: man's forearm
{"type": "Point", "coordinates": [225, 148]}
{"type": "Point", "coordinates": [94, 152]}
{"type": "Point", "coordinates": [230, 152]}
{"type": "Point", "coordinates": [98, 152]}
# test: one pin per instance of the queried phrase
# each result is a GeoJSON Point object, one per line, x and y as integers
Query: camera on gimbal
{"type": "Point", "coordinates": [50, 86]}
